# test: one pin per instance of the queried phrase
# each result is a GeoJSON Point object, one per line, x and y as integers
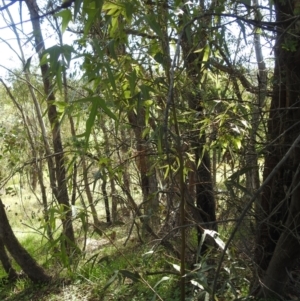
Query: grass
{"type": "Point", "coordinates": [104, 272]}
{"type": "Point", "coordinates": [103, 275]}
{"type": "Point", "coordinates": [107, 270]}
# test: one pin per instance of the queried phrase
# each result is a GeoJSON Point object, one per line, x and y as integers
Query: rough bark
{"type": "Point", "coordinates": [60, 171]}
{"type": "Point", "coordinates": [277, 246]}
{"type": "Point", "coordinates": [287, 250]}
{"type": "Point", "coordinates": [148, 179]}
{"type": "Point", "coordinates": [20, 255]}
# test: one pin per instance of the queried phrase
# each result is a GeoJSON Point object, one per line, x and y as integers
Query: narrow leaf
{"type": "Point", "coordinates": [111, 280]}
{"type": "Point", "coordinates": [100, 102]}
{"type": "Point", "coordinates": [90, 122]}
{"type": "Point", "coordinates": [66, 16]}
{"type": "Point", "coordinates": [27, 65]}
{"type": "Point", "coordinates": [133, 276]}
{"type": "Point", "coordinates": [77, 7]}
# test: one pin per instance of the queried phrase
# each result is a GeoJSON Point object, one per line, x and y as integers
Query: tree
{"type": "Point", "coordinates": [60, 189]}
{"type": "Point", "coordinates": [21, 256]}
{"type": "Point", "coordinates": [278, 244]}
{"type": "Point", "coordinates": [6, 262]}
{"type": "Point", "coordinates": [170, 74]}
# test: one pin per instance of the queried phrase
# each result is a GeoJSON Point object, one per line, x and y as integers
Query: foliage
{"type": "Point", "coordinates": [139, 103]}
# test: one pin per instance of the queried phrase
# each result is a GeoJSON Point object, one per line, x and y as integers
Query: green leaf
{"type": "Point", "coordinates": [53, 58]}
{"type": "Point", "coordinates": [67, 51]}
{"type": "Point", "coordinates": [90, 122]}
{"type": "Point", "coordinates": [92, 14]}
{"type": "Point", "coordinates": [145, 132]}
{"type": "Point", "coordinates": [159, 57]}
{"type": "Point", "coordinates": [111, 49]}
{"type": "Point", "coordinates": [240, 172]}
{"type": "Point", "coordinates": [206, 53]}
{"type": "Point", "coordinates": [66, 16]}
{"type": "Point", "coordinates": [132, 78]}
{"type": "Point", "coordinates": [242, 26]}
{"type": "Point", "coordinates": [111, 77]}
{"type": "Point", "coordinates": [154, 25]}
{"type": "Point", "coordinates": [165, 278]}
{"type": "Point", "coordinates": [229, 184]}
{"type": "Point", "coordinates": [27, 65]}
{"type": "Point", "coordinates": [111, 8]}
{"type": "Point", "coordinates": [111, 280]}
{"type": "Point", "coordinates": [133, 276]}
{"type": "Point", "coordinates": [101, 104]}
{"type": "Point", "coordinates": [77, 7]}
{"type": "Point", "coordinates": [129, 10]}
{"type": "Point", "coordinates": [58, 77]}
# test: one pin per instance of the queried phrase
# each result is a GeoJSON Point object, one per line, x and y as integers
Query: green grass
{"type": "Point", "coordinates": [103, 273]}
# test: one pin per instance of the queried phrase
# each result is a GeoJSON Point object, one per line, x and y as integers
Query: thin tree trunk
{"type": "Point", "coordinates": [205, 198]}
{"type": "Point", "coordinates": [147, 175]}
{"type": "Point", "coordinates": [105, 197]}
{"type": "Point", "coordinates": [89, 194]}
{"type": "Point", "coordinates": [60, 171]}
{"type": "Point", "coordinates": [252, 176]}
{"type": "Point", "coordinates": [37, 165]}
{"type": "Point", "coordinates": [20, 255]}
{"type": "Point", "coordinates": [6, 262]}
{"type": "Point", "coordinates": [113, 193]}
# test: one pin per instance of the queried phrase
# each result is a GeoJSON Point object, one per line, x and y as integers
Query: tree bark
{"type": "Point", "coordinates": [21, 256]}
{"type": "Point", "coordinates": [205, 199]}
{"type": "Point", "coordinates": [277, 246]}
{"type": "Point", "coordinates": [287, 250]}
{"type": "Point", "coordinates": [148, 179]}
{"type": "Point", "coordinates": [60, 171]}
{"type": "Point", "coordinates": [6, 262]}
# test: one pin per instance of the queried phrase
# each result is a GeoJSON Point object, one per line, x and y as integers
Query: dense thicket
{"type": "Point", "coordinates": [168, 112]}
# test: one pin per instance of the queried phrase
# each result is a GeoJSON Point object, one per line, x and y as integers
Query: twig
{"type": "Point", "coordinates": [248, 205]}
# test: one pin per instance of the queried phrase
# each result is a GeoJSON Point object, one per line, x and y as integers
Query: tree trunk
{"type": "Point", "coordinates": [205, 199]}
{"type": "Point", "coordinates": [252, 176]}
{"type": "Point", "coordinates": [110, 173]}
{"type": "Point", "coordinates": [287, 250]}
{"type": "Point", "coordinates": [105, 197]}
{"type": "Point", "coordinates": [90, 196]}
{"type": "Point", "coordinates": [6, 262]}
{"type": "Point", "coordinates": [38, 166]}
{"type": "Point", "coordinates": [20, 255]}
{"type": "Point", "coordinates": [60, 171]}
{"type": "Point", "coordinates": [277, 245]}
{"type": "Point", "coordinates": [148, 179]}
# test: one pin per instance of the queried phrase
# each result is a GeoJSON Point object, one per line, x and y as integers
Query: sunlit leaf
{"type": "Point", "coordinates": [66, 16]}
{"type": "Point", "coordinates": [77, 7]}
{"type": "Point", "coordinates": [176, 267]}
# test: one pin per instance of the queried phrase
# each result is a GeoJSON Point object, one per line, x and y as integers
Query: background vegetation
{"type": "Point", "coordinates": [150, 150]}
